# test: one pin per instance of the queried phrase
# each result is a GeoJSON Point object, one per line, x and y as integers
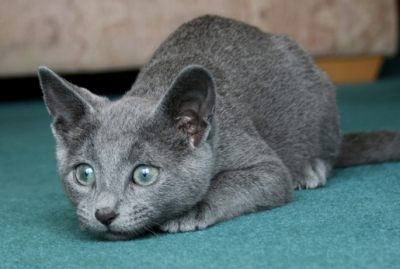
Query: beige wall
{"type": "Point", "coordinates": [85, 35]}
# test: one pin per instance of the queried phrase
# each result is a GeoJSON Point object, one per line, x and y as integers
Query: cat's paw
{"type": "Point", "coordinates": [315, 175]}
{"type": "Point", "coordinates": [197, 218]}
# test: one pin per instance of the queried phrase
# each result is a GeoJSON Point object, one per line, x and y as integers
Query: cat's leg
{"type": "Point", "coordinates": [237, 192]}
{"type": "Point", "coordinates": [315, 175]}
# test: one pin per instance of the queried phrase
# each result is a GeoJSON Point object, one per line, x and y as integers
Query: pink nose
{"type": "Point", "coordinates": [105, 215]}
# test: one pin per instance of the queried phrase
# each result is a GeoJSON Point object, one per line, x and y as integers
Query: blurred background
{"type": "Point", "coordinates": [101, 44]}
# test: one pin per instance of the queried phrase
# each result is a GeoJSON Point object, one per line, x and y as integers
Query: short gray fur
{"type": "Point", "coordinates": [235, 119]}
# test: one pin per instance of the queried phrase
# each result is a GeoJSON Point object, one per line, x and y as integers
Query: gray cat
{"type": "Point", "coordinates": [224, 120]}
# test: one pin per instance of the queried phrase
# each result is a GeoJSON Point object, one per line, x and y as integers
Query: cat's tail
{"type": "Point", "coordinates": [369, 147]}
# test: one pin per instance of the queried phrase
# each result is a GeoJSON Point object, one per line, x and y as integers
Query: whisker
{"type": "Point", "coordinates": [150, 230]}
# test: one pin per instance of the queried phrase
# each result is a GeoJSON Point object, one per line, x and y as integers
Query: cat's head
{"type": "Point", "coordinates": [131, 164]}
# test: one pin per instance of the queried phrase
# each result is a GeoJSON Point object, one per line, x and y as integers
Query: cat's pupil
{"type": "Point", "coordinates": [87, 173]}
{"type": "Point", "coordinates": [145, 173]}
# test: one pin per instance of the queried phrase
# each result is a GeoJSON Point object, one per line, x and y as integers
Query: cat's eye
{"type": "Point", "coordinates": [145, 175]}
{"type": "Point", "coordinates": [84, 174]}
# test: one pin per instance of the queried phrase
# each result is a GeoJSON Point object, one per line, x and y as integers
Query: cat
{"type": "Point", "coordinates": [224, 120]}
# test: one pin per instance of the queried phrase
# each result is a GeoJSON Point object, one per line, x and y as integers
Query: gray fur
{"type": "Point", "coordinates": [234, 118]}
{"type": "Point", "coordinates": [370, 147]}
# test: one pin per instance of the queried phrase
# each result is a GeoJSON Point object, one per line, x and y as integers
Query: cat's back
{"type": "Point", "coordinates": [236, 53]}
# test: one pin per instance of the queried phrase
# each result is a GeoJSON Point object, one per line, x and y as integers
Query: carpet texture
{"type": "Point", "coordinates": [353, 222]}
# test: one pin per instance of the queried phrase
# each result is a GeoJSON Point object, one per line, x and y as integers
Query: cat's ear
{"type": "Point", "coordinates": [189, 103]}
{"type": "Point", "coordinates": [67, 103]}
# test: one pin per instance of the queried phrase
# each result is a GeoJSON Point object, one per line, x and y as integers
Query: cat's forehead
{"type": "Point", "coordinates": [125, 115]}
{"type": "Point", "coordinates": [131, 127]}
{"type": "Point", "coordinates": [119, 128]}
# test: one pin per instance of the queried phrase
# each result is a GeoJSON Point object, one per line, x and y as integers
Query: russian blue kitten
{"type": "Point", "coordinates": [224, 120]}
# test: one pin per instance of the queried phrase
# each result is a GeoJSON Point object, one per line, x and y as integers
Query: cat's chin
{"type": "Point", "coordinates": [110, 235]}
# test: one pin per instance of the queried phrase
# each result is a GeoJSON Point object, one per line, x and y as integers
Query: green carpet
{"type": "Point", "coordinates": [353, 222]}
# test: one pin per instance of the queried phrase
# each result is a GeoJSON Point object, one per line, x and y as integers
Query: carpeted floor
{"type": "Point", "coordinates": [353, 222]}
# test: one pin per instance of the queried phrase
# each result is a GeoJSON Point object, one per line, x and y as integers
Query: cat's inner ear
{"type": "Point", "coordinates": [190, 103]}
{"type": "Point", "coordinates": [66, 102]}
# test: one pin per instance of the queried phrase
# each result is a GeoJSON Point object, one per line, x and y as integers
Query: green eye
{"type": "Point", "coordinates": [145, 175]}
{"type": "Point", "coordinates": [84, 174]}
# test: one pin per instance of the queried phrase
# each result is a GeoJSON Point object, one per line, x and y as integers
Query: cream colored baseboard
{"type": "Point", "coordinates": [351, 69]}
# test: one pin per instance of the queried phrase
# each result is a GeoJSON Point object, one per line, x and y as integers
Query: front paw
{"type": "Point", "coordinates": [197, 218]}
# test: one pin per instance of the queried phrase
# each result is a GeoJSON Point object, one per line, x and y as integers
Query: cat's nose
{"type": "Point", "coordinates": [106, 215]}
